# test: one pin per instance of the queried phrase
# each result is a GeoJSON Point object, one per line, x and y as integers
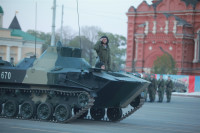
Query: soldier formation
{"type": "Point", "coordinates": [160, 85]}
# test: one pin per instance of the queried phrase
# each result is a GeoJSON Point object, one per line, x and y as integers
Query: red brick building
{"type": "Point", "coordinates": [169, 25]}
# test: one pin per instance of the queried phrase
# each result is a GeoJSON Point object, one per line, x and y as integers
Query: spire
{"type": "Point", "coordinates": [15, 24]}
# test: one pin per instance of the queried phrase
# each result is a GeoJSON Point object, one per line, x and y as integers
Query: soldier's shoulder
{"type": "Point", "coordinates": [97, 45]}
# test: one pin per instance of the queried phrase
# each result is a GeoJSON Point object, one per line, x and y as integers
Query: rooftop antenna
{"type": "Point", "coordinates": [61, 32]}
{"type": "Point", "coordinates": [35, 26]}
{"type": "Point", "coordinates": [78, 24]}
{"type": "Point", "coordinates": [53, 24]}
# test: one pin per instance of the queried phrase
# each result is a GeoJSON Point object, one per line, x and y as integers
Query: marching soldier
{"type": "Point", "coordinates": [169, 87]}
{"type": "Point", "coordinates": [145, 77]}
{"type": "Point", "coordinates": [161, 88]}
{"type": "Point", "coordinates": [152, 88]}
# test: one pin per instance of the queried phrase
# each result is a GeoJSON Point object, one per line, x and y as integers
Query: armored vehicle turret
{"type": "Point", "coordinates": [62, 86]}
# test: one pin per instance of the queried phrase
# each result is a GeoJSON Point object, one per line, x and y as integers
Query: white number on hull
{"type": "Point", "coordinates": [5, 75]}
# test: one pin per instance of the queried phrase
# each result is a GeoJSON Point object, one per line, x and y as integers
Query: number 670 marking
{"type": "Point", "coordinates": [5, 75]}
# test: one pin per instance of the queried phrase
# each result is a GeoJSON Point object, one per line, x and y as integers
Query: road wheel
{"type": "Point", "coordinates": [135, 102]}
{"type": "Point", "coordinates": [27, 109]}
{"type": "Point", "coordinates": [62, 112]}
{"type": "Point", "coordinates": [83, 99]}
{"type": "Point", "coordinates": [44, 111]}
{"type": "Point", "coordinates": [97, 113]}
{"type": "Point", "coordinates": [11, 108]}
{"type": "Point", "coordinates": [114, 114]}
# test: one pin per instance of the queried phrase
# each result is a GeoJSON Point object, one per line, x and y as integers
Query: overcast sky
{"type": "Point", "coordinates": [109, 15]}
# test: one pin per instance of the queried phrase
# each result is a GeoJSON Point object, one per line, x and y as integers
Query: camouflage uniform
{"type": "Point", "coordinates": [152, 89]}
{"type": "Point", "coordinates": [169, 87]}
{"type": "Point", "coordinates": [146, 89]}
{"type": "Point", "coordinates": [161, 89]}
{"type": "Point", "coordinates": [103, 54]}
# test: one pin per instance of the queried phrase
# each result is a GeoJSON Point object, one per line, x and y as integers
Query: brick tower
{"type": "Point", "coordinates": [169, 25]}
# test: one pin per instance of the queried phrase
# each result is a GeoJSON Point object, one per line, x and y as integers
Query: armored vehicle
{"type": "Point", "coordinates": [61, 86]}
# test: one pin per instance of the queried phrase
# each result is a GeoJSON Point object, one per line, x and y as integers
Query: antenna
{"type": "Point", "coordinates": [78, 24]}
{"type": "Point", "coordinates": [35, 26]}
{"type": "Point", "coordinates": [61, 37]}
{"type": "Point", "coordinates": [53, 24]}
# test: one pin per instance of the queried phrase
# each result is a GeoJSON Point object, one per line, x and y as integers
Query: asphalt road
{"type": "Point", "coordinates": [182, 115]}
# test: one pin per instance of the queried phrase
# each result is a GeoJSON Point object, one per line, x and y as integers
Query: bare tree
{"type": "Point", "coordinates": [91, 33]}
{"type": "Point", "coordinates": [68, 35]}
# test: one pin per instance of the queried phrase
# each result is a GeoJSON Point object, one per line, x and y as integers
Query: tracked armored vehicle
{"type": "Point", "coordinates": [61, 86]}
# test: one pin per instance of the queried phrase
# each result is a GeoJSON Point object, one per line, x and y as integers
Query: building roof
{"type": "Point", "coordinates": [24, 35]}
{"type": "Point", "coordinates": [187, 2]}
{"type": "Point", "coordinates": [191, 2]}
{"type": "Point", "coordinates": [15, 24]}
{"type": "Point", "coordinates": [1, 9]}
{"type": "Point", "coordinates": [156, 3]}
{"type": "Point", "coordinates": [16, 31]}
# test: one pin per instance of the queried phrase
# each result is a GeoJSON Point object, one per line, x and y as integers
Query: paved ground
{"type": "Point", "coordinates": [182, 115]}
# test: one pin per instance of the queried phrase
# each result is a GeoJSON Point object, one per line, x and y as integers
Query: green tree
{"type": "Point", "coordinates": [164, 64]}
{"type": "Point", "coordinates": [117, 44]}
{"type": "Point", "coordinates": [43, 36]}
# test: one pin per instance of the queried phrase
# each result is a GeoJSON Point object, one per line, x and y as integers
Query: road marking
{"type": "Point", "coordinates": [42, 130]}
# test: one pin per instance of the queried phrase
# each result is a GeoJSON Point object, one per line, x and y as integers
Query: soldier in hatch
{"type": "Point", "coordinates": [103, 51]}
{"type": "Point", "coordinates": [145, 77]}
